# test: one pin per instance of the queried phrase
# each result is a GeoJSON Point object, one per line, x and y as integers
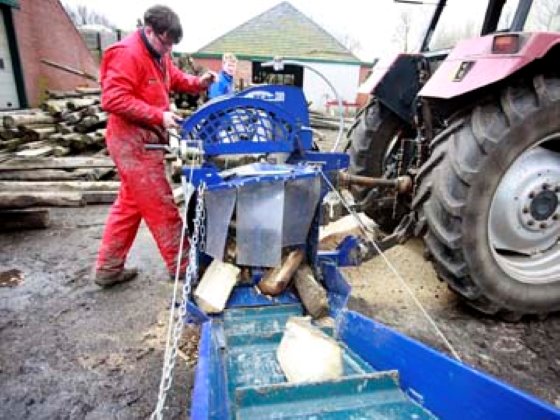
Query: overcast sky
{"type": "Point", "coordinates": [372, 23]}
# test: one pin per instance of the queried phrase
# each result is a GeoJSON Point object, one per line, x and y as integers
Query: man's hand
{"type": "Point", "coordinates": [171, 120]}
{"type": "Point", "coordinates": [208, 78]}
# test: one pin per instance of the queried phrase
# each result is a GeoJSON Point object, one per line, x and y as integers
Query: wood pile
{"type": "Point", "coordinates": [68, 123]}
{"type": "Point", "coordinates": [321, 121]}
{"type": "Point", "coordinates": [54, 156]}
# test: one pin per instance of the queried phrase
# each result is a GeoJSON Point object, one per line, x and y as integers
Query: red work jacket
{"type": "Point", "coordinates": [135, 90]}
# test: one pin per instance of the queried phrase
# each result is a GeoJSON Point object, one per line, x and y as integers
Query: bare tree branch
{"type": "Point", "coordinates": [403, 31]}
{"type": "Point", "coordinates": [82, 15]}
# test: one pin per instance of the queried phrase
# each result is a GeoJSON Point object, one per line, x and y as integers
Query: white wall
{"type": "Point", "coordinates": [8, 92]}
{"type": "Point", "coordinates": [344, 77]}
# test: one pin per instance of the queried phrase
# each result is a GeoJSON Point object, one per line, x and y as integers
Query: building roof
{"type": "Point", "coordinates": [280, 31]}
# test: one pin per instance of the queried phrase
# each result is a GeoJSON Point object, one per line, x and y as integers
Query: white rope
{"type": "Point", "coordinates": [394, 270]}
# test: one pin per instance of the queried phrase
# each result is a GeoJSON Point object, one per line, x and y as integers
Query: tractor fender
{"type": "Point", "coordinates": [471, 65]}
{"type": "Point", "coordinates": [394, 82]}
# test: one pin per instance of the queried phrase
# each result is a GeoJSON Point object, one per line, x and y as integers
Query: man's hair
{"type": "Point", "coordinates": [229, 57]}
{"type": "Point", "coordinates": [163, 20]}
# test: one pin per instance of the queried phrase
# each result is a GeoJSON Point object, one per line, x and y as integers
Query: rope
{"type": "Point", "coordinates": [393, 269]}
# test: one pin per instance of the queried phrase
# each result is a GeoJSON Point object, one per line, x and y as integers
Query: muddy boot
{"type": "Point", "coordinates": [181, 277]}
{"type": "Point", "coordinates": [108, 279]}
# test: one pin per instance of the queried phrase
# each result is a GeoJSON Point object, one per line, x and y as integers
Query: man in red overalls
{"type": "Point", "coordinates": [137, 75]}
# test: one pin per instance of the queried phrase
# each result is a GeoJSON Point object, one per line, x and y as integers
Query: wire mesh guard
{"type": "Point", "coordinates": [247, 123]}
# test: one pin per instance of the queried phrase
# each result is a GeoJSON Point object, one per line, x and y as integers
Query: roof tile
{"type": "Point", "coordinates": [281, 31]}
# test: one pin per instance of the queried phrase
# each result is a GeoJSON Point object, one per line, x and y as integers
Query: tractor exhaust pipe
{"type": "Point", "coordinates": [402, 184]}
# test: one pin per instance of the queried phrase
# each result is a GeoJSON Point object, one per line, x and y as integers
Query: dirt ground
{"type": "Point", "coordinates": [69, 350]}
{"type": "Point", "coordinates": [523, 354]}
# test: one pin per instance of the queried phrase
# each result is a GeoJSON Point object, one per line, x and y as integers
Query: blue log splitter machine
{"type": "Point", "coordinates": [275, 202]}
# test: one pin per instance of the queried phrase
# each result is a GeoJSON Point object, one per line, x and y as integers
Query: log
{"type": "Point", "coordinates": [58, 163]}
{"type": "Point", "coordinates": [63, 128]}
{"type": "Point", "coordinates": [59, 186]}
{"type": "Point", "coordinates": [72, 117]}
{"type": "Point", "coordinates": [34, 145]}
{"type": "Point", "coordinates": [74, 141]}
{"type": "Point", "coordinates": [36, 175]}
{"type": "Point", "coordinates": [13, 144]}
{"type": "Point", "coordinates": [100, 197]}
{"type": "Point", "coordinates": [90, 110]}
{"type": "Point", "coordinates": [9, 133]}
{"type": "Point", "coordinates": [12, 121]}
{"type": "Point", "coordinates": [102, 132]}
{"type": "Point", "coordinates": [60, 151]}
{"type": "Point", "coordinates": [92, 122]}
{"type": "Point", "coordinates": [307, 354]}
{"type": "Point", "coordinates": [37, 133]}
{"type": "Point", "coordinates": [276, 281]}
{"type": "Point", "coordinates": [38, 152]}
{"type": "Point", "coordinates": [54, 175]}
{"type": "Point", "coordinates": [78, 103]}
{"type": "Point", "coordinates": [215, 287]}
{"type": "Point", "coordinates": [54, 106]}
{"type": "Point", "coordinates": [21, 111]}
{"type": "Point", "coordinates": [24, 219]}
{"type": "Point", "coordinates": [333, 233]}
{"type": "Point", "coordinates": [64, 94]}
{"type": "Point", "coordinates": [5, 156]}
{"type": "Point", "coordinates": [19, 200]}
{"type": "Point", "coordinates": [94, 174]}
{"type": "Point", "coordinates": [312, 294]}
{"type": "Point", "coordinates": [88, 90]}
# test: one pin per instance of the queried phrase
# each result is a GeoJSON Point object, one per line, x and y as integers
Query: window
{"type": "Point", "coordinates": [290, 75]}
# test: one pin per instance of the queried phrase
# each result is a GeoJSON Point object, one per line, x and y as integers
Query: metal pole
{"type": "Point", "coordinates": [278, 64]}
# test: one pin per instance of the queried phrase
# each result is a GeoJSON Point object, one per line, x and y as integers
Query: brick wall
{"type": "Point", "coordinates": [245, 71]}
{"type": "Point", "coordinates": [364, 73]}
{"type": "Point", "coordinates": [43, 30]}
{"type": "Point", "coordinates": [362, 98]}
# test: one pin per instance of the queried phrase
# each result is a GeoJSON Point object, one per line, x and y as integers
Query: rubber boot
{"type": "Point", "coordinates": [108, 279]}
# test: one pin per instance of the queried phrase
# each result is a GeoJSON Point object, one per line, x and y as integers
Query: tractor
{"type": "Point", "coordinates": [476, 131]}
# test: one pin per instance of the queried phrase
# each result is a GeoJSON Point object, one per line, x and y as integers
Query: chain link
{"type": "Point", "coordinates": [177, 318]}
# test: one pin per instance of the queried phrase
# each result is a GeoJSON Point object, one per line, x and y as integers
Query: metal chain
{"type": "Point", "coordinates": [177, 318]}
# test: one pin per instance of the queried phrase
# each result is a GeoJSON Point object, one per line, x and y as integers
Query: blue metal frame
{"type": "Point", "coordinates": [346, 253]}
{"type": "Point", "coordinates": [449, 389]}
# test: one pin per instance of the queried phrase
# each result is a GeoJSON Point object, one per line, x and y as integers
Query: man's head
{"type": "Point", "coordinates": [162, 28]}
{"type": "Point", "coordinates": [229, 63]}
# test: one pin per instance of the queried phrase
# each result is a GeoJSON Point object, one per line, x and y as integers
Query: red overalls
{"type": "Point", "coordinates": [135, 93]}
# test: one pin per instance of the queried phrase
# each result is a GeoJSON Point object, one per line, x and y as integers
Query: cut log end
{"type": "Point", "coordinates": [215, 286]}
{"type": "Point", "coordinates": [311, 292]}
{"type": "Point", "coordinates": [276, 281]}
{"type": "Point", "coordinates": [306, 354]}
{"type": "Point", "coordinates": [11, 220]}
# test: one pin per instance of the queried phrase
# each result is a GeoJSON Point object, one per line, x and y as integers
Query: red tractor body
{"type": "Point", "coordinates": [479, 62]}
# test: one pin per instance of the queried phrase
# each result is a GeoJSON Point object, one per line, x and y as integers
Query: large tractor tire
{"type": "Point", "coordinates": [489, 201]}
{"type": "Point", "coordinates": [371, 148]}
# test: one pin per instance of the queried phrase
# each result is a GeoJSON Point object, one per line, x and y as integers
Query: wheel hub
{"type": "Point", "coordinates": [524, 222]}
{"type": "Point", "coordinates": [544, 205]}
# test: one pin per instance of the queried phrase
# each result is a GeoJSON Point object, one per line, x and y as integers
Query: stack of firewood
{"type": "Point", "coordinates": [68, 123]}
{"type": "Point", "coordinates": [53, 156]}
